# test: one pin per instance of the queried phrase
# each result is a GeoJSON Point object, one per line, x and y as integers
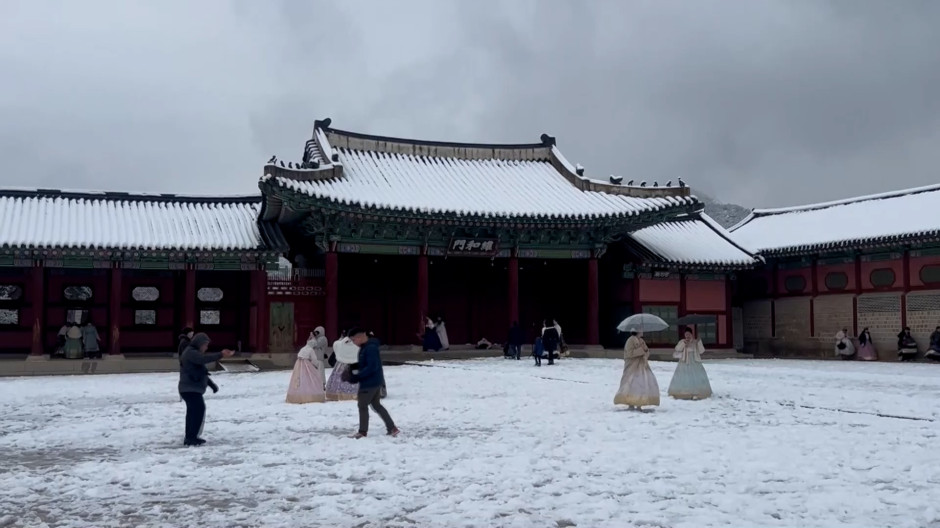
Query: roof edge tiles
{"type": "Point", "coordinates": [120, 196]}
{"type": "Point", "coordinates": [689, 242]}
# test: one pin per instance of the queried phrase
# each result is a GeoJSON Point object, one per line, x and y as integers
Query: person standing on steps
{"type": "Point", "coordinates": [194, 378]}
{"type": "Point", "coordinates": [371, 379]}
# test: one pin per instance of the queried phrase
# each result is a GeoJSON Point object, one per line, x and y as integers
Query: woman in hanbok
{"type": "Point", "coordinates": [320, 344]}
{"type": "Point", "coordinates": [73, 342]}
{"type": "Point", "coordinates": [431, 341]}
{"type": "Point", "coordinates": [690, 382]}
{"type": "Point", "coordinates": [638, 386]}
{"type": "Point", "coordinates": [866, 348]}
{"type": "Point", "coordinates": [907, 346]}
{"type": "Point", "coordinates": [442, 333]}
{"type": "Point", "coordinates": [844, 347]}
{"type": "Point", "coordinates": [336, 388]}
{"type": "Point", "coordinates": [306, 382]}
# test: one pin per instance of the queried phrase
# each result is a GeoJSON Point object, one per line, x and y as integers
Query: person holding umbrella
{"type": "Point", "coordinates": [690, 382]}
{"type": "Point", "coordinates": [638, 385]}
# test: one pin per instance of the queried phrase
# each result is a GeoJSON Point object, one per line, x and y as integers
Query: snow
{"type": "Point", "coordinates": [486, 187]}
{"type": "Point", "coordinates": [485, 443]}
{"type": "Point", "coordinates": [692, 241]}
{"type": "Point", "coordinates": [91, 222]}
{"type": "Point", "coordinates": [886, 215]}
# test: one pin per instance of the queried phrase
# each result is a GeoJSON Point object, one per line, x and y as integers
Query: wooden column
{"type": "Point", "coordinates": [332, 295]}
{"type": "Point", "coordinates": [262, 324]}
{"type": "Point", "coordinates": [729, 311]}
{"type": "Point", "coordinates": [189, 299]}
{"type": "Point", "coordinates": [906, 281]}
{"type": "Point", "coordinates": [37, 296]}
{"type": "Point", "coordinates": [424, 291]}
{"type": "Point", "coordinates": [513, 289]}
{"type": "Point", "coordinates": [682, 294]}
{"type": "Point", "coordinates": [114, 312]}
{"type": "Point", "coordinates": [593, 308]}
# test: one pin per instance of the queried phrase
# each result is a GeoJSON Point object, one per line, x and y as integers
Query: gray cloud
{"type": "Point", "coordinates": [763, 103]}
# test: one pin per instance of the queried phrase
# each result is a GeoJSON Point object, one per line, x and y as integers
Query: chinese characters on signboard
{"type": "Point", "coordinates": [483, 247]}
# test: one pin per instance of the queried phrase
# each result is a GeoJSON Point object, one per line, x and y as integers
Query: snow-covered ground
{"type": "Point", "coordinates": [484, 443]}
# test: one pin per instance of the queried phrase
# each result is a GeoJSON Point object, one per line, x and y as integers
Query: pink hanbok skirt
{"type": "Point", "coordinates": [339, 390]}
{"type": "Point", "coordinates": [306, 384]}
{"type": "Point", "coordinates": [638, 385]}
{"type": "Point", "coordinates": [867, 352]}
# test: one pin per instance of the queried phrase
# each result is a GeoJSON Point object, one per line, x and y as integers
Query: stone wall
{"type": "Point", "coordinates": [923, 315]}
{"type": "Point", "coordinates": [832, 313]}
{"type": "Point", "coordinates": [881, 314]}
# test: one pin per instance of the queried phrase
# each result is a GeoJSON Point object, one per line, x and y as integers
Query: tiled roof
{"type": "Point", "coordinates": [35, 219]}
{"type": "Point", "coordinates": [691, 241]}
{"type": "Point", "coordinates": [867, 221]}
{"type": "Point", "coordinates": [498, 181]}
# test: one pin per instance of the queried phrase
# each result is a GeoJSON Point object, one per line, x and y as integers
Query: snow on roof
{"type": "Point", "coordinates": [691, 241]}
{"type": "Point", "coordinates": [866, 220]}
{"type": "Point", "coordinates": [123, 221]}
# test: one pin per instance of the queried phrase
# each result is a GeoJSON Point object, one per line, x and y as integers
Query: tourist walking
{"type": "Point", "coordinates": [866, 347]}
{"type": "Point", "coordinates": [184, 338]}
{"type": "Point", "coordinates": [91, 341]}
{"type": "Point", "coordinates": [194, 378]}
{"type": "Point", "coordinates": [844, 347]}
{"type": "Point", "coordinates": [338, 389]}
{"type": "Point", "coordinates": [306, 381]}
{"type": "Point", "coordinates": [371, 378]}
{"type": "Point", "coordinates": [638, 385]}
{"type": "Point", "coordinates": [690, 382]}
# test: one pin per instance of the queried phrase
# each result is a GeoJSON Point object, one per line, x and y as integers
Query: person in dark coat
{"type": "Point", "coordinates": [537, 350]}
{"type": "Point", "coordinates": [194, 378]}
{"type": "Point", "coordinates": [515, 340]}
{"type": "Point", "coordinates": [550, 340]}
{"type": "Point", "coordinates": [185, 337]}
{"type": "Point", "coordinates": [371, 379]}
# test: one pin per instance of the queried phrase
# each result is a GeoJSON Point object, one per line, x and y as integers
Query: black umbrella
{"type": "Point", "coordinates": [695, 319]}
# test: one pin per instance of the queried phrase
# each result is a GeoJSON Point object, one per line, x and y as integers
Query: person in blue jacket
{"type": "Point", "coordinates": [537, 350]}
{"type": "Point", "coordinates": [371, 379]}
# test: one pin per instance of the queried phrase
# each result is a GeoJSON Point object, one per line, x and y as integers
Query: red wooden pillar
{"type": "Point", "coordinates": [729, 311]}
{"type": "Point", "coordinates": [682, 294]}
{"type": "Point", "coordinates": [424, 291]}
{"type": "Point", "coordinates": [593, 308]}
{"type": "Point", "coordinates": [262, 324]}
{"type": "Point", "coordinates": [906, 281]}
{"type": "Point", "coordinates": [189, 299]}
{"type": "Point", "coordinates": [513, 289]}
{"type": "Point", "coordinates": [37, 286]}
{"type": "Point", "coordinates": [332, 295]}
{"type": "Point", "coordinates": [114, 312]}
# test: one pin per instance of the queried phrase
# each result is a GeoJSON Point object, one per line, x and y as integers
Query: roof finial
{"type": "Point", "coordinates": [322, 123]}
{"type": "Point", "coordinates": [547, 140]}
{"type": "Point", "coordinates": [579, 169]}
{"type": "Point", "coordinates": [616, 180]}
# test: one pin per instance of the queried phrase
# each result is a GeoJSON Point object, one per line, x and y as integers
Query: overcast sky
{"type": "Point", "coordinates": [760, 102]}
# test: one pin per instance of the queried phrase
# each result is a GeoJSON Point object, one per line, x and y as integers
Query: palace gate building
{"type": "Point", "coordinates": [375, 231]}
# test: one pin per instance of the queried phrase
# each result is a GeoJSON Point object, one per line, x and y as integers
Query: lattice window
{"type": "Point", "coordinates": [10, 292]}
{"type": "Point", "coordinates": [210, 317]}
{"type": "Point", "coordinates": [836, 280]}
{"type": "Point", "coordinates": [794, 283]}
{"type": "Point", "coordinates": [78, 293]}
{"type": "Point", "coordinates": [145, 294]}
{"type": "Point", "coordinates": [209, 294]}
{"type": "Point", "coordinates": [879, 304]}
{"type": "Point", "coordinates": [9, 317]}
{"type": "Point", "coordinates": [670, 314]}
{"type": "Point", "coordinates": [145, 317]}
{"type": "Point", "coordinates": [930, 274]}
{"type": "Point", "coordinates": [882, 278]}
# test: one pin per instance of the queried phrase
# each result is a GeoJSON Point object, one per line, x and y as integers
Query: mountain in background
{"type": "Point", "coordinates": [725, 214]}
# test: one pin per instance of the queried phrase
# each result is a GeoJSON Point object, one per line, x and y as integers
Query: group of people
{"type": "Point", "coordinates": [550, 343]}
{"type": "Point", "coordinates": [361, 378]}
{"type": "Point", "coordinates": [76, 341]}
{"type": "Point", "coordinates": [908, 349]}
{"type": "Point", "coordinates": [638, 385]}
